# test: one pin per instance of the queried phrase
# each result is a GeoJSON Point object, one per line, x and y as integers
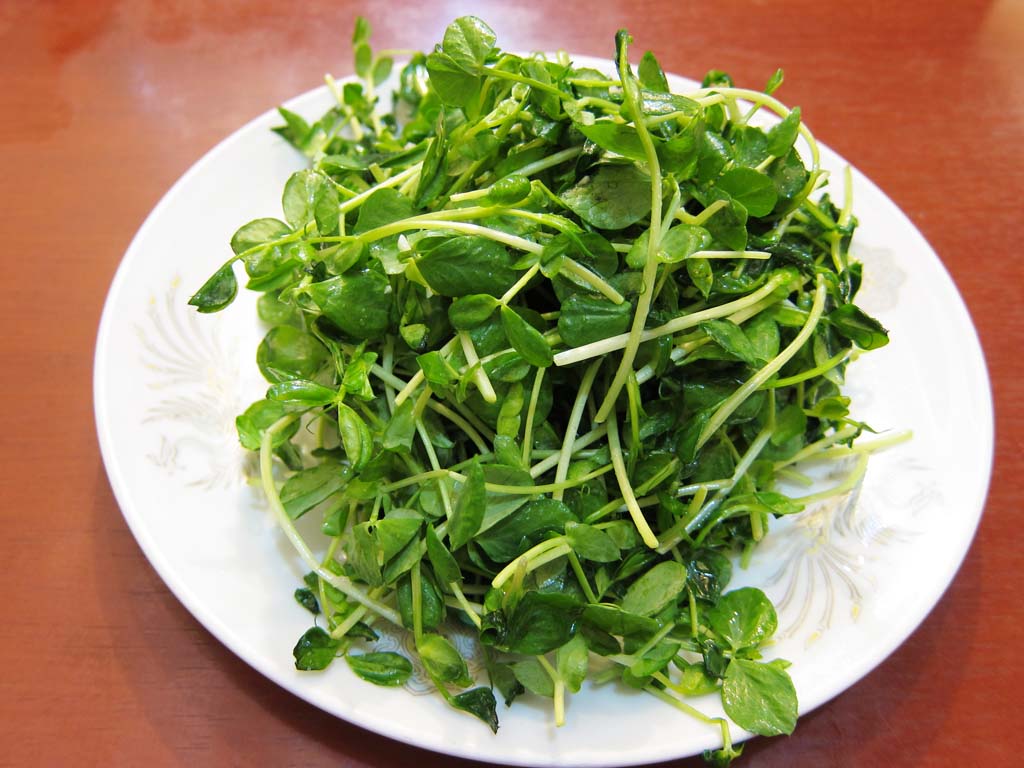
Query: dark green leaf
{"type": "Point", "coordinates": [753, 189]}
{"type": "Point", "coordinates": [301, 393]}
{"type": "Point", "coordinates": [859, 327]}
{"type": "Point", "coordinates": [217, 292]}
{"type": "Point", "coordinates": [585, 319]}
{"type": "Point", "coordinates": [730, 337]}
{"type": "Point", "coordinates": [591, 543]}
{"type": "Point", "coordinates": [614, 197]}
{"type": "Point", "coordinates": [315, 650]}
{"type": "Point", "coordinates": [445, 566]}
{"type": "Point", "coordinates": [359, 304]}
{"type": "Point", "coordinates": [651, 75]}
{"type": "Point", "coordinates": [382, 668]}
{"type": "Point", "coordinates": [782, 136]}
{"type": "Point", "coordinates": [304, 490]}
{"type": "Point", "coordinates": [287, 353]}
{"type": "Point", "coordinates": [467, 265]}
{"type": "Point", "coordinates": [541, 623]}
{"type": "Point", "coordinates": [525, 339]}
{"type": "Point", "coordinates": [400, 429]}
{"type": "Point", "coordinates": [657, 588]}
{"type": "Point", "coordinates": [307, 600]}
{"type": "Point", "coordinates": [743, 618]}
{"type": "Point", "coordinates": [480, 703]}
{"type": "Point", "coordinates": [467, 312]}
{"type": "Point", "coordinates": [470, 505]}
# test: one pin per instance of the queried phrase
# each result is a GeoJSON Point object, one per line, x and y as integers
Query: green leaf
{"type": "Point", "coordinates": [859, 327]}
{"type": "Point", "coordinates": [657, 588]}
{"type": "Point", "coordinates": [304, 490]}
{"type": "Point", "coordinates": [381, 668]}
{"type": "Point", "coordinates": [382, 69]}
{"type": "Point", "coordinates": [385, 206]}
{"type": "Point", "coordinates": [258, 232]}
{"type": "Point", "coordinates": [361, 554]}
{"type": "Point", "coordinates": [571, 661]}
{"type": "Point", "coordinates": [470, 505]}
{"type": "Point", "coordinates": [217, 292]}
{"type": "Point", "coordinates": [468, 41]}
{"type": "Point", "coordinates": [310, 196]}
{"type": "Point", "coordinates": [729, 225]}
{"type": "Point", "coordinates": [790, 422]}
{"type": "Point", "coordinates": [468, 265]}
{"type": "Point", "coordinates": [730, 337]}
{"type": "Point", "coordinates": [525, 339]}
{"type": "Point", "coordinates": [443, 662]}
{"type": "Point", "coordinates": [616, 621]}
{"type": "Point", "coordinates": [774, 82]}
{"type": "Point", "coordinates": [394, 532]}
{"type": "Point", "coordinates": [743, 618]}
{"type": "Point", "coordinates": [432, 607]}
{"type": "Point", "coordinates": [534, 677]}
{"type": "Point", "coordinates": [760, 697]}
{"type": "Point", "coordinates": [452, 83]}
{"type": "Point", "coordinates": [257, 418]}
{"type": "Point", "coordinates": [615, 137]}
{"type": "Point", "coordinates": [355, 437]}
{"type": "Point", "coordinates": [307, 600]}
{"type": "Point", "coordinates": [542, 622]}
{"type": "Point", "coordinates": [301, 393]}
{"type": "Point", "coordinates": [467, 312]}
{"type": "Point", "coordinates": [315, 650]}
{"type": "Point", "coordinates": [445, 566]}
{"type": "Point", "coordinates": [480, 703]}
{"type": "Point", "coordinates": [753, 189]}
{"type": "Point", "coordinates": [401, 428]}
{"type": "Point", "coordinates": [585, 319]}
{"type": "Point", "coordinates": [359, 304]}
{"type": "Point", "coordinates": [591, 543]}
{"type": "Point", "coordinates": [363, 59]}
{"type": "Point", "coordinates": [782, 136]}
{"type": "Point", "coordinates": [614, 197]}
{"type": "Point", "coordinates": [361, 31]}
{"type": "Point", "coordinates": [651, 75]}
{"type": "Point", "coordinates": [286, 353]}
{"type": "Point", "coordinates": [509, 190]}
{"type": "Point", "coordinates": [525, 527]}
{"type": "Point", "coordinates": [701, 274]}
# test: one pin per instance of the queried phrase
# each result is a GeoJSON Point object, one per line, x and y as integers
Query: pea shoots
{"type": "Point", "coordinates": [543, 344]}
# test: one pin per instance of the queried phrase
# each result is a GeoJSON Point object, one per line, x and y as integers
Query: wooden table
{"type": "Point", "coordinates": [106, 103]}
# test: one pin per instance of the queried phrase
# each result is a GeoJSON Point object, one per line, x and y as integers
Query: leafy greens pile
{"type": "Point", "coordinates": [542, 344]}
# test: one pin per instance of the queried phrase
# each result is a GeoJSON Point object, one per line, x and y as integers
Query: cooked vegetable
{"type": "Point", "coordinates": [543, 342]}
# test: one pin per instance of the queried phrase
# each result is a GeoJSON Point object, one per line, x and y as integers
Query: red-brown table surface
{"type": "Point", "coordinates": [106, 103]}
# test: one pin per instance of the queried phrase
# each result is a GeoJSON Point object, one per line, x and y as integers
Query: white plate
{"type": "Point", "coordinates": [851, 579]}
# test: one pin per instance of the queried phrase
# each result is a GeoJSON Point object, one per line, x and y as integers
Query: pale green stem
{"type": "Point", "coordinates": [288, 528]}
{"type": "Point", "coordinates": [480, 378]}
{"type": "Point", "coordinates": [572, 427]}
{"type": "Point", "coordinates": [520, 284]}
{"type": "Point", "coordinates": [592, 279]}
{"type": "Point", "coordinates": [650, 271]}
{"type": "Point", "coordinates": [728, 407]}
{"type": "Point", "coordinates": [613, 343]}
{"type": "Point", "coordinates": [579, 444]}
{"type": "Point", "coordinates": [531, 412]}
{"type": "Point", "coordinates": [398, 178]}
{"type": "Point", "coordinates": [466, 606]}
{"type": "Point", "coordinates": [626, 488]}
